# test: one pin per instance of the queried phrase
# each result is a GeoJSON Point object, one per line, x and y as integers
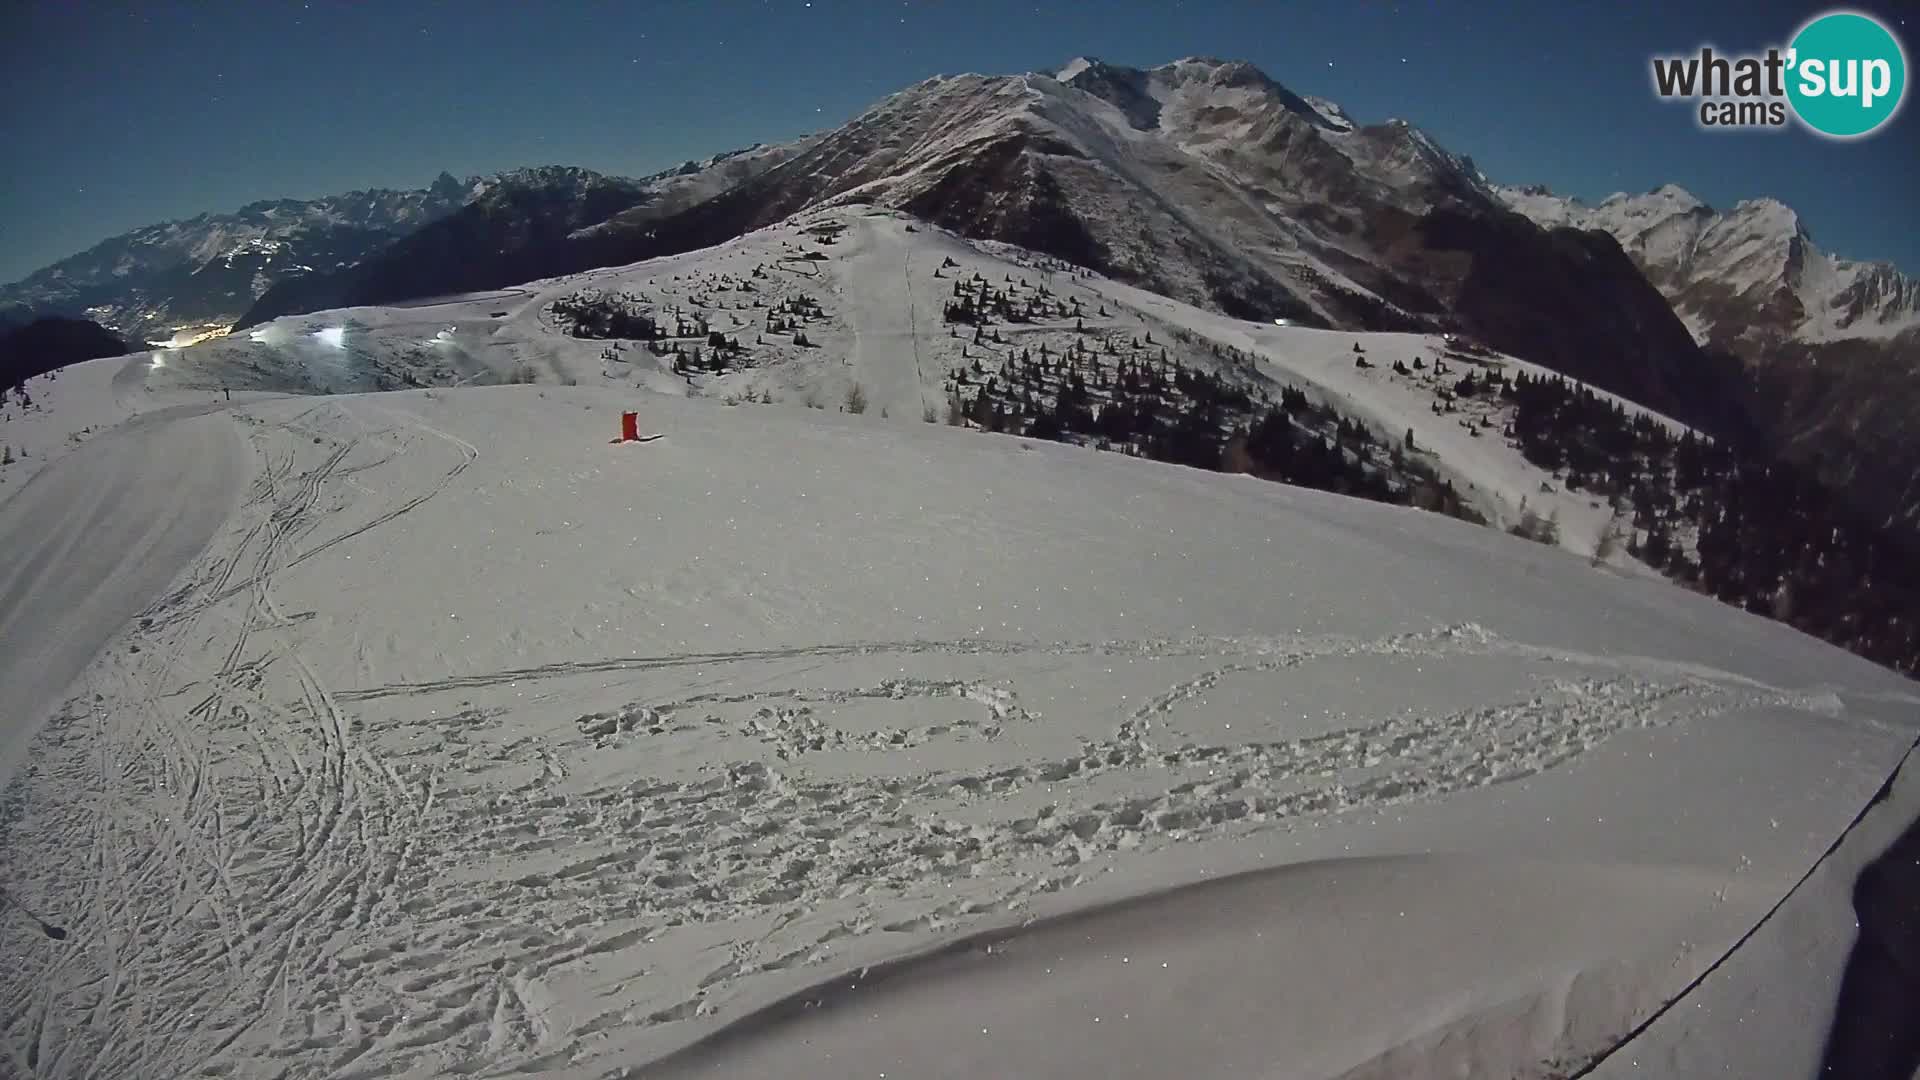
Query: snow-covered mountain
{"type": "Point", "coordinates": [1751, 275]}
{"type": "Point", "coordinates": [1202, 179]}
{"type": "Point", "coordinates": [204, 271]}
{"type": "Point", "coordinates": [1209, 182]}
{"type": "Point", "coordinates": [510, 232]}
{"type": "Point", "coordinates": [177, 280]}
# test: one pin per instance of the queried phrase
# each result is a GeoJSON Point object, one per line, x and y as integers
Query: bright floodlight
{"type": "Point", "coordinates": [335, 336]}
{"type": "Point", "coordinates": [159, 359]}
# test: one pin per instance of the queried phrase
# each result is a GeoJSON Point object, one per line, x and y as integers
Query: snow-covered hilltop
{"type": "Point", "coordinates": [804, 311]}
{"type": "Point", "coordinates": [863, 308]}
{"type": "Point", "coordinates": [1751, 272]}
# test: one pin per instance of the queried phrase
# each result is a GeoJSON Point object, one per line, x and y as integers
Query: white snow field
{"type": "Point", "coordinates": [440, 737]}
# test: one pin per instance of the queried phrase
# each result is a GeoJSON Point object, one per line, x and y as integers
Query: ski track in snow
{"type": "Point", "coordinates": [268, 873]}
{"type": "Point", "coordinates": [259, 826]}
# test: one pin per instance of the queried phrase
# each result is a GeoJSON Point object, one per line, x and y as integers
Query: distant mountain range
{"type": "Point", "coordinates": [204, 271]}
{"type": "Point", "coordinates": [179, 279]}
{"type": "Point", "coordinates": [513, 230]}
{"type": "Point", "coordinates": [1749, 276]}
{"type": "Point", "coordinates": [1202, 179]}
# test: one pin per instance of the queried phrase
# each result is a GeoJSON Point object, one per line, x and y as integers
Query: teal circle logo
{"type": "Point", "coordinates": [1847, 74]}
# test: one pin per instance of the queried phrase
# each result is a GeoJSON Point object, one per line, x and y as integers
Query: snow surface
{"type": "Point", "coordinates": [69, 406]}
{"type": "Point", "coordinates": [94, 544]}
{"type": "Point", "coordinates": [1809, 935]}
{"type": "Point", "coordinates": [471, 743]}
{"type": "Point", "coordinates": [1074, 67]}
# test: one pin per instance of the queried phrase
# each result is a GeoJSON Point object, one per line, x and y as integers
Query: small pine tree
{"type": "Point", "coordinates": [1410, 440]}
{"type": "Point", "coordinates": [956, 409]}
{"type": "Point", "coordinates": [856, 400]}
{"type": "Point", "coordinates": [929, 414]}
{"type": "Point", "coordinates": [6, 456]}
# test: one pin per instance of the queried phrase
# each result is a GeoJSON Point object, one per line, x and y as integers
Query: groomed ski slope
{"type": "Point", "coordinates": [132, 503]}
{"type": "Point", "coordinates": [472, 744]}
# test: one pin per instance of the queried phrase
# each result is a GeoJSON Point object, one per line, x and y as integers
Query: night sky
{"type": "Point", "coordinates": [123, 115]}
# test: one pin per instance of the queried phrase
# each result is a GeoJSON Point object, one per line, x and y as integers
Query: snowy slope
{"type": "Point", "coordinates": [1466, 441]}
{"type": "Point", "coordinates": [474, 744]}
{"type": "Point", "coordinates": [1749, 272]}
{"type": "Point", "coordinates": [881, 280]}
{"type": "Point", "coordinates": [1814, 933]}
{"type": "Point", "coordinates": [477, 740]}
{"type": "Point", "coordinates": [69, 406]}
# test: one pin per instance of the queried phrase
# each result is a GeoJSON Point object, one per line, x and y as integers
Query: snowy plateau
{"type": "Point", "coordinates": [371, 713]}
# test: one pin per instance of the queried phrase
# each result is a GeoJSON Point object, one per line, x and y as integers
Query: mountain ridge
{"type": "Point", "coordinates": [177, 279]}
{"type": "Point", "coordinates": [1208, 182]}
{"type": "Point", "coordinates": [1722, 268]}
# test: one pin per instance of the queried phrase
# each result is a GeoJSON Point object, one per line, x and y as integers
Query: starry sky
{"type": "Point", "coordinates": [121, 115]}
